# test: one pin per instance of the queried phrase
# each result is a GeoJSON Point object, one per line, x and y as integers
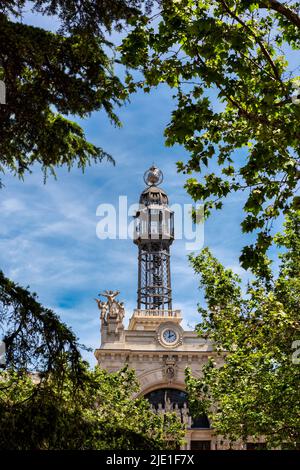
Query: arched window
{"type": "Point", "coordinates": [161, 396]}
{"type": "Point", "coordinates": [171, 399]}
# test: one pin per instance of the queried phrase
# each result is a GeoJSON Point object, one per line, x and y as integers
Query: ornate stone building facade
{"type": "Point", "coordinates": [155, 344]}
{"type": "Point", "coordinates": [159, 350]}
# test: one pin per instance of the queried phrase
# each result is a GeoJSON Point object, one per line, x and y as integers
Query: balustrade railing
{"type": "Point", "coordinates": [157, 313]}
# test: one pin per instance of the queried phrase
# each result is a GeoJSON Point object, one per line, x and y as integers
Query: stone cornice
{"type": "Point", "coordinates": [130, 354]}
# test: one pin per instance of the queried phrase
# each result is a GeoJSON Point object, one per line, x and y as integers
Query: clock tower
{"type": "Point", "coordinates": [155, 344]}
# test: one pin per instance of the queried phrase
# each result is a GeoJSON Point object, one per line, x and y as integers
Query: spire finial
{"type": "Point", "coordinates": [153, 176]}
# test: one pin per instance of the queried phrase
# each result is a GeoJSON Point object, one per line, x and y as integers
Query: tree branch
{"type": "Point", "coordinates": [262, 47]}
{"type": "Point", "coordinates": [243, 112]}
{"type": "Point", "coordinates": [283, 10]}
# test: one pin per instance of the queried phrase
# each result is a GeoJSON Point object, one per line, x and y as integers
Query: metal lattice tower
{"type": "Point", "coordinates": [154, 233]}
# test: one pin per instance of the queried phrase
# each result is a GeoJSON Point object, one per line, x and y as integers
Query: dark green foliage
{"type": "Point", "coordinates": [35, 338]}
{"type": "Point", "coordinates": [100, 414]}
{"type": "Point", "coordinates": [225, 61]}
{"type": "Point", "coordinates": [254, 390]}
{"type": "Point", "coordinates": [49, 76]}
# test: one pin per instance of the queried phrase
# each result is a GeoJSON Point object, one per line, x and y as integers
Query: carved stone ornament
{"type": "Point", "coordinates": [170, 368]}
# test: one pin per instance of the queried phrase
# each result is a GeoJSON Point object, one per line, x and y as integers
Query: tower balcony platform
{"type": "Point", "coordinates": [146, 319]}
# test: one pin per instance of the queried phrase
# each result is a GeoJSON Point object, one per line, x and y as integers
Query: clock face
{"type": "Point", "coordinates": [169, 336]}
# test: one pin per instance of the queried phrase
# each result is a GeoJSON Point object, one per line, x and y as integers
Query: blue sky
{"type": "Point", "coordinates": [48, 231]}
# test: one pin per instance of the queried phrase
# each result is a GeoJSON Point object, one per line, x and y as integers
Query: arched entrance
{"type": "Point", "coordinates": [174, 400]}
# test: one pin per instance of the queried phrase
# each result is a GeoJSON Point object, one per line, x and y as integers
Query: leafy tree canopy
{"type": "Point", "coordinates": [227, 64]}
{"type": "Point", "coordinates": [35, 338]}
{"type": "Point", "coordinates": [101, 414]}
{"type": "Point", "coordinates": [49, 76]}
{"type": "Point", "coordinates": [256, 392]}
